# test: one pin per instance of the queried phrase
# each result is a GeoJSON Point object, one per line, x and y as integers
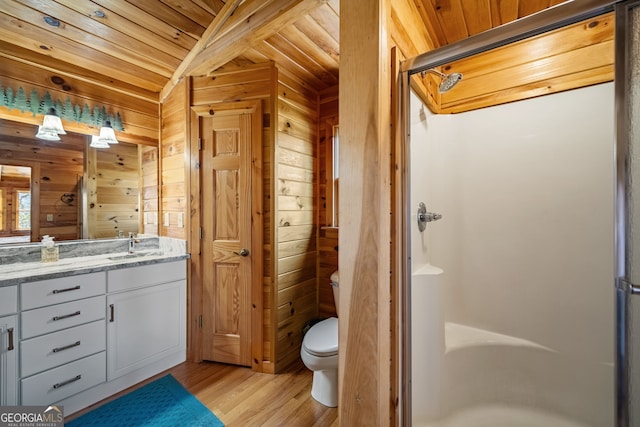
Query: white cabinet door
{"type": "Point", "coordinates": [144, 326]}
{"type": "Point", "coordinates": [9, 360]}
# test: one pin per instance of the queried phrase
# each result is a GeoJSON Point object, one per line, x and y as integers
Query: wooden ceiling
{"type": "Point", "coordinates": [449, 21]}
{"type": "Point", "coordinates": [144, 47]}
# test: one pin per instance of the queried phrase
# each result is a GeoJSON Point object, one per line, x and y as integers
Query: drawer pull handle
{"type": "Point", "coordinates": [66, 347]}
{"type": "Point", "coordinates": [59, 291]}
{"type": "Point", "coordinates": [66, 316]}
{"type": "Point", "coordinates": [10, 331]}
{"type": "Point", "coordinates": [69, 381]}
{"type": "Point", "coordinates": [111, 313]}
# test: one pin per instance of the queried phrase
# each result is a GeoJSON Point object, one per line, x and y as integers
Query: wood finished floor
{"type": "Point", "coordinates": [241, 397]}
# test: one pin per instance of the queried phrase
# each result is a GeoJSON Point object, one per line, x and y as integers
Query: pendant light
{"type": "Point", "coordinates": [97, 143]}
{"type": "Point", "coordinates": [107, 134]}
{"type": "Point", "coordinates": [47, 135]}
{"type": "Point", "coordinates": [51, 125]}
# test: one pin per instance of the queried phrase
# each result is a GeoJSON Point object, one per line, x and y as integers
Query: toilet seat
{"type": "Point", "coordinates": [322, 338]}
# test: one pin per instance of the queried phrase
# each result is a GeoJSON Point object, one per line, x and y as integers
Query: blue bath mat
{"type": "Point", "coordinates": [161, 403]}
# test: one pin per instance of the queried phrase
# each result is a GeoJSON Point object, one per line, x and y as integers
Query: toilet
{"type": "Point", "coordinates": [319, 353]}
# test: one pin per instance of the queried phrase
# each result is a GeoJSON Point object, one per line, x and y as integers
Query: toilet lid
{"type": "Point", "coordinates": [322, 338]}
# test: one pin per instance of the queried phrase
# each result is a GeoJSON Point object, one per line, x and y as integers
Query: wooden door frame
{"type": "Point", "coordinates": [257, 228]}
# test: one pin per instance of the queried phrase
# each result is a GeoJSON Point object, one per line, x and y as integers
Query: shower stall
{"type": "Point", "coordinates": [518, 303]}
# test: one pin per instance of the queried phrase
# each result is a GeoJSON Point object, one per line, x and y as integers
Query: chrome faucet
{"type": "Point", "coordinates": [132, 243]}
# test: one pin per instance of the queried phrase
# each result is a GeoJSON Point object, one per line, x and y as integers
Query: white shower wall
{"type": "Point", "coordinates": [526, 238]}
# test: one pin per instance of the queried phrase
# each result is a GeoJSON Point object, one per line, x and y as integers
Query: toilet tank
{"type": "Point", "coordinates": [335, 279]}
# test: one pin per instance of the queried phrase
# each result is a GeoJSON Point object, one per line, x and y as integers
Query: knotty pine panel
{"type": "Point", "coordinates": [296, 218]}
{"type": "Point", "coordinates": [298, 96]}
{"type": "Point", "coordinates": [254, 83]}
{"type": "Point", "coordinates": [297, 129]}
{"type": "Point", "coordinates": [288, 187]}
{"type": "Point", "coordinates": [248, 91]}
{"type": "Point", "coordinates": [149, 170]}
{"type": "Point", "coordinates": [293, 173]}
{"type": "Point", "coordinates": [173, 168]}
{"type": "Point", "coordinates": [328, 236]}
{"type": "Point", "coordinates": [286, 312]}
{"type": "Point", "coordinates": [293, 143]}
{"type": "Point", "coordinates": [295, 203]}
{"type": "Point", "coordinates": [293, 293]}
{"type": "Point", "coordinates": [295, 247]}
{"type": "Point", "coordinates": [295, 277]}
{"type": "Point", "coordinates": [407, 30]}
{"type": "Point", "coordinates": [297, 158]}
{"type": "Point", "coordinates": [298, 232]}
{"type": "Point", "coordinates": [327, 264]}
{"type": "Point", "coordinates": [289, 331]}
{"type": "Point", "coordinates": [575, 56]}
{"type": "Point", "coordinates": [113, 199]}
{"type": "Point", "coordinates": [290, 218]}
{"type": "Point", "coordinates": [139, 116]}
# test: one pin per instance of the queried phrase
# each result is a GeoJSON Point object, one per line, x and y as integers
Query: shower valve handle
{"type": "Point", "coordinates": [429, 216]}
{"type": "Point", "coordinates": [424, 217]}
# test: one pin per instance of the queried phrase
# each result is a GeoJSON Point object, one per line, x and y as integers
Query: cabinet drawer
{"type": "Point", "coordinates": [48, 351]}
{"type": "Point", "coordinates": [145, 275]}
{"type": "Point", "coordinates": [8, 300]}
{"type": "Point", "coordinates": [56, 291]}
{"type": "Point", "coordinates": [61, 316]}
{"type": "Point", "coordinates": [59, 383]}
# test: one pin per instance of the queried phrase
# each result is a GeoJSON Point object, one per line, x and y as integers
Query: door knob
{"type": "Point", "coordinates": [243, 252]}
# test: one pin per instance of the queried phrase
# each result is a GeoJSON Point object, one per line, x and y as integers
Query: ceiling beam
{"type": "Point", "coordinates": [248, 32]}
{"type": "Point", "coordinates": [207, 37]}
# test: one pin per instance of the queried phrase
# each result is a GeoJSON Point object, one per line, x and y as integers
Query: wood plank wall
{"type": "Point", "coordinates": [251, 83]}
{"type": "Point", "coordinates": [296, 208]}
{"type": "Point", "coordinates": [571, 57]}
{"type": "Point", "coordinates": [173, 162]}
{"type": "Point", "coordinates": [113, 190]}
{"type": "Point", "coordinates": [290, 118]}
{"type": "Point", "coordinates": [149, 167]}
{"type": "Point", "coordinates": [328, 235]}
{"type": "Point", "coordinates": [61, 170]}
{"type": "Point", "coordinates": [139, 116]}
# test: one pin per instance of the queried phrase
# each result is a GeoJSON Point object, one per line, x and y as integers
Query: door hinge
{"type": "Point", "coordinates": [200, 321]}
{"type": "Point", "coordinates": [201, 233]}
{"type": "Point", "coordinates": [199, 144]}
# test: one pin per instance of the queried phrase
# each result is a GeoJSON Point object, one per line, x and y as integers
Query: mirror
{"type": "Point", "coordinates": [76, 191]}
{"type": "Point", "coordinates": [15, 203]}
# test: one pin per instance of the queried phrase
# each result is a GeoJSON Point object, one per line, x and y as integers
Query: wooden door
{"type": "Point", "coordinates": [226, 243]}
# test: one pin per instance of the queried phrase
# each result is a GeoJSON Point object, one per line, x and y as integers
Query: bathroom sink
{"type": "Point", "coordinates": [135, 255]}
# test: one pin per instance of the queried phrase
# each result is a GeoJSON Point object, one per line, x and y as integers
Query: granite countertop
{"type": "Point", "coordinates": [20, 266]}
{"type": "Point", "coordinates": [13, 274]}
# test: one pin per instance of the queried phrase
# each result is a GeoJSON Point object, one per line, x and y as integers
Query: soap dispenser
{"type": "Point", "coordinates": [49, 251]}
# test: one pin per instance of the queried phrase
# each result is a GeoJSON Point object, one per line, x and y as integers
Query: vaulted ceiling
{"type": "Point", "coordinates": [144, 47]}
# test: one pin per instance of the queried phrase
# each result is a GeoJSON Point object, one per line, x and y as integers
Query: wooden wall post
{"type": "Point", "coordinates": [364, 257]}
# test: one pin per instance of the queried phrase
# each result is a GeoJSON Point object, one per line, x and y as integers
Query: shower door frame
{"type": "Point", "coordinates": [538, 23]}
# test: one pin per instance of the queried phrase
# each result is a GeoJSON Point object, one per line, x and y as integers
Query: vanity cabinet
{"type": "Point", "coordinates": [75, 340]}
{"type": "Point", "coordinates": [9, 346]}
{"type": "Point", "coordinates": [63, 337]}
{"type": "Point", "coordinates": [146, 309]}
